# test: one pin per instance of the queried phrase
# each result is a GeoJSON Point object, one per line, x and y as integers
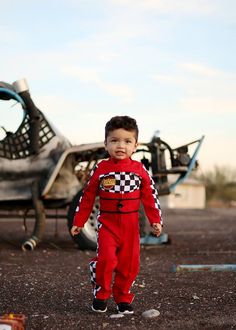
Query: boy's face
{"type": "Point", "coordinates": [120, 143]}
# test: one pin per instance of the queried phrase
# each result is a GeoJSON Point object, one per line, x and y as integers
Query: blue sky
{"type": "Point", "coordinates": [168, 63]}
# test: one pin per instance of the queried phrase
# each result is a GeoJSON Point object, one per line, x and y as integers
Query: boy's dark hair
{"type": "Point", "coordinates": [125, 122]}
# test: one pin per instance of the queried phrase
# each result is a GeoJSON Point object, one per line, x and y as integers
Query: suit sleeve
{"type": "Point", "coordinates": [86, 202]}
{"type": "Point", "coordinates": [149, 198]}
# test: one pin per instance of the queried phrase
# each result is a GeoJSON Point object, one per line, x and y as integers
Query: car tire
{"type": "Point", "coordinates": [87, 238]}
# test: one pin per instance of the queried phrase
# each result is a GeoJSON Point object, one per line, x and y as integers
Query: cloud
{"type": "Point", "coordinates": [172, 6]}
{"type": "Point", "coordinates": [93, 76]}
{"type": "Point", "coordinates": [107, 56]}
{"type": "Point", "coordinates": [9, 36]}
{"type": "Point", "coordinates": [211, 105]}
{"type": "Point", "coordinates": [172, 79]}
{"type": "Point", "coordinates": [178, 9]}
{"type": "Point", "coordinates": [209, 89]}
{"type": "Point", "coordinates": [202, 88]}
{"type": "Point", "coordinates": [79, 122]}
{"type": "Point", "coordinates": [217, 150]}
{"type": "Point", "coordinates": [186, 69]}
{"type": "Point", "coordinates": [200, 70]}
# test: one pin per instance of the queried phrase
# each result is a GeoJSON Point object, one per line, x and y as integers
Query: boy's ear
{"type": "Point", "coordinates": [105, 144]}
{"type": "Point", "coordinates": [136, 146]}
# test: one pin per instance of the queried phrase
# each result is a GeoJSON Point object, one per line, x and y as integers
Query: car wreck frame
{"type": "Point", "coordinates": [41, 170]}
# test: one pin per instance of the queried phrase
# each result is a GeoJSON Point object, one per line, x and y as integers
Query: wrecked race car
{"type": "Point", "coordinates": [41, 170]}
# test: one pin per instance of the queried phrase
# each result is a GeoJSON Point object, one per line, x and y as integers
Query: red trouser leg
{"type": "Point", "coordinates": [102, 267]}
{"type": "Point", "coordinates": [118, 252]}
{"type": "Point", "coordinates": [127, 268]}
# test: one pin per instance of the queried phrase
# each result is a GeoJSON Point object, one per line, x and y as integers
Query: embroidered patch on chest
{"type": "Point", "coordinates": [120, 182]}
{"type": "Point", "coordinates": [108, 182]}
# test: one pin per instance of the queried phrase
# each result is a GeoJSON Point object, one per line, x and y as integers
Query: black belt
{"type": "Point", "coordinates": [118, 211]}
{"type": "Point", "coordinates": [119, 199]}
{"type": "Point", "coordinates": [118, 205]}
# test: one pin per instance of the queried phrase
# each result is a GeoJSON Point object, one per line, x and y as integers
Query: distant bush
{"type": "Point", "coordinates": [220, 184]}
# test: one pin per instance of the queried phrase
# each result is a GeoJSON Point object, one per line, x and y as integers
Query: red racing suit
{"type": "Point", "coordinates": [121, 185]}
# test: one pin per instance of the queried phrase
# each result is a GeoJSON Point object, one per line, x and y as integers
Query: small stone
{"type": "Point", "coordinates": [116, 316]}
{"type": "Point", "coordinates": [151, 313]}
{"type": "Point", "coordinates": [104, 325]}
{"type": "Point", "coordinates": [195, 297]}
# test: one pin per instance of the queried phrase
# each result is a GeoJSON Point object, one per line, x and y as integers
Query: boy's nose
{"type": "Point", "coordinates": [121, 144]}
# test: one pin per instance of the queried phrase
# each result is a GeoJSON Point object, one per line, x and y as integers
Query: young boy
{"type": "Point", "coordinates": [121, 184]}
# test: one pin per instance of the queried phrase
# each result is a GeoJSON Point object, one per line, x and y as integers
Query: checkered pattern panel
{"type": "Point", "coordinates": [92, 171]}
{"type": "Point", "coordinates": [92, 267]}
{"type": "Point", "coordinates": [99, 225]}
{"type": "Point", "coordinates": [125, 182]}
{"type": "Point", "coordinates": [91, 174]}
{"type": "Point", "coordinates": [154, 193]}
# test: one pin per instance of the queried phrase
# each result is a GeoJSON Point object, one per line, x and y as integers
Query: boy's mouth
{"type": "Point", "coordinates": [120, 153]}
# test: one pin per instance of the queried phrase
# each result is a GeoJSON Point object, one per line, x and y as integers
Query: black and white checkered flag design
{"type": "Point", "coordinates": [91, 174]}
{"type": "Point", "coordinates": [92, 267]}
{"type": "Point", "coordinates": [125, 182]}
{"type": "Point", "coordinates": [154, 194]}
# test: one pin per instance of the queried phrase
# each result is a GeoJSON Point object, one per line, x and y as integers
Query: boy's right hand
{"type": "Point", "coordinates": [75, 230]}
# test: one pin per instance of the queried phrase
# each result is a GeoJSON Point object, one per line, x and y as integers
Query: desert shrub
{"type": "Point", "coordinates": [220, 183]}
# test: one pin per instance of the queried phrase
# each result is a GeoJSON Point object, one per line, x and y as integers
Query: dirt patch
{"type": "Point", "coordinates": [50, 285]}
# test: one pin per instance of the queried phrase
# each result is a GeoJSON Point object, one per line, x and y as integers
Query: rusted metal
{"type": "Point", "coordinates": [18, 215]}
{"type": "Point", "coordinates": [37, 152]}
{"type": "Point", "coordinates": [153, 240]}
{"type": "Point", "coordinates": [40, 219]}
{"type": "Point", "coordinates": [12, 321]}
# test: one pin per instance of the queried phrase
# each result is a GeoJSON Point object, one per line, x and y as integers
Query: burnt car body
{"type": "Point", "coordinates": [40, 169]}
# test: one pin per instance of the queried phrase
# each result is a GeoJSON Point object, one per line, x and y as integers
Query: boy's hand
{"type": "Point", "coordinates": [157, 229]}
{"type": "Point", "coordinates": [75, 230]}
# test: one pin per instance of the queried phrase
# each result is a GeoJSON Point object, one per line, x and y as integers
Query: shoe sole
{"type": "Point", "coordinates": [126, 312]}
{"type": "Point", "coordinates": [99, 310]}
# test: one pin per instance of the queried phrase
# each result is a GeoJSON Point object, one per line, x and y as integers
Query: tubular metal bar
{"type": "Point", "coordinates": [39, 226]}
{"type": "Point", "coordinates": [190, 167]}
{"type": "Point", "coordinates": [205, 268]}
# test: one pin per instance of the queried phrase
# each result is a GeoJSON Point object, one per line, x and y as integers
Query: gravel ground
{"type": "Point", "coordinates": [50, 285]}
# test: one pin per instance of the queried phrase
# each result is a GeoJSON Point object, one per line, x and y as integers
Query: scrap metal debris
{"type": "Point", "coordinates": [197, 268]}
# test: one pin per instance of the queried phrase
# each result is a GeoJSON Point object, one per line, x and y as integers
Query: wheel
{"type": "Point", "coordinates": [87, 238]}
{"type": "Point", "coordinates": [144, 226]}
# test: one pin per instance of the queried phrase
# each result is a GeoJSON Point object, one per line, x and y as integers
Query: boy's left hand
{"type": "Point", "coordinates": [75, 230]}
{"type": "Point", "coordinates": [156, 229]}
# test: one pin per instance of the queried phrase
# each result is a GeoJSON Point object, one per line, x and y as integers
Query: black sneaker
{"type": "Point", "coordinates": [125, 308]}
{"type": "Point", "coordinates": [99, 306]}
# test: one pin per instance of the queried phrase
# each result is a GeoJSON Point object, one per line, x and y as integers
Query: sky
{"type": "Point", "coordinates": [168, 63]}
